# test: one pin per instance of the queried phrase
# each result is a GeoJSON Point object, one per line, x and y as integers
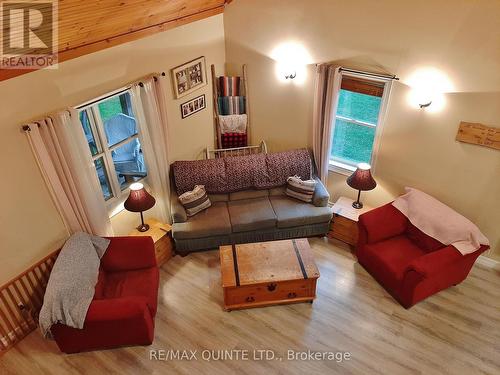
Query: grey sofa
{"type": "Point", "coordinates": [262, 212]}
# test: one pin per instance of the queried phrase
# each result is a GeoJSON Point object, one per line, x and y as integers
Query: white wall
{"type": "Point", "coordinates": [418, 147]}
{"type": "Point", "coordinates": [30, 227]}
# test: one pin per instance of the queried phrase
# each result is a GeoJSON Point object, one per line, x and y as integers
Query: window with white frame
{"type": "Point", "coordinates": [111, 131]}
{"type": "Point", "coordinates": [360, 109]}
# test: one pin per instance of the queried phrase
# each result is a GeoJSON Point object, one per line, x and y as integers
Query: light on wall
{"type": "Point", "coordinates": [428, 86]}
{"type": "Point", "coordinates": [291, 60]}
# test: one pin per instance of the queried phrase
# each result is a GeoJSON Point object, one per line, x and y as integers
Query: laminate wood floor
{"type": "Point", "coordinates": [454, 332]}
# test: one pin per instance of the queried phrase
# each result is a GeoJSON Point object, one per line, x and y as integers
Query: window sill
{"type": "Point", "coordinates": [341, 168]}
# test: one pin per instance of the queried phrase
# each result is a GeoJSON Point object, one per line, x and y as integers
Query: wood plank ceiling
{"type": "Point", "coordinates": [92, 25]}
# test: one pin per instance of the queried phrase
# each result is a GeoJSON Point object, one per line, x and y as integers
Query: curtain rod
{"type": "Point", "coordinates": [105, 96]}
{"type": "Point", "coordinates": [389, 76]}
{"type": "Point", "coordinates": [117, 91]}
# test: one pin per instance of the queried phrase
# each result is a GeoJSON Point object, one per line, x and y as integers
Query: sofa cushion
{"type": "Point", "coordinates": [248, 194]}
{"type": "Point", "coordinates": [213, 221]}
{"type": "Point", "coordinates": [388, 259]}
{"type": "Point", "coordinates": [251, 214]}
{"type": "Point", "coordinates": [135, 283]}
{"type": "Point", "coordinates": [218, 197]}
{"type": "Point", "coordinates": [293, 213]}
{"type": "Point", "coordinates": [246, 172]}
{"type": "Point", "coordinates": [277, 191]}
{"type": "Point", "coordinates": [211, 173]}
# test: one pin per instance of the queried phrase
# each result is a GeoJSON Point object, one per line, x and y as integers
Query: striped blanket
{"type": "Point", "coordinates": [229, 86]}
{"type": "Point", "coordinates": [231, 105]}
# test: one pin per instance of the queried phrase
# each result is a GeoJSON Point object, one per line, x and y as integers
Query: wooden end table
{"type": "Point", "coordinates": [162, 238]}
{"type": "Point", "coordinates": [344, 226]}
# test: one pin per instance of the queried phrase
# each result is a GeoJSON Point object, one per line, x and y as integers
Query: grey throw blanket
{"type": "Point", "coordinates": [72, 282]}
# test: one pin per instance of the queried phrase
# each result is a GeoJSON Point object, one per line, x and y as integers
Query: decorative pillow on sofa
{"type": "Point", "coordinates": [299, 189]}
{"type": "Point", "coordinates": [195, 201]}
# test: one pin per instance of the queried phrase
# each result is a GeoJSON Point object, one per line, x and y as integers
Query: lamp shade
{"type": "Point", "coordinates": [362, 178]}
{"type": "Point", "coordinates": [139, 199]}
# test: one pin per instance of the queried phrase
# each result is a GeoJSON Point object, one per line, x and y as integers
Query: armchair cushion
{"type": "Point", "coordinates": [136, 283]}
{"type": "Point", "coordinates": [129, 253]}
{"type": "Point", "coordinates": [388, 259]}
{"type": "Point", "coordinates": [382, 223]}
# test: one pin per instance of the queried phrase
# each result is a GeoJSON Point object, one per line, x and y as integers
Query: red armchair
{"type": "Point", "coordinates": [410, 265]}
{"type": "Point", "coordinates": [125, 300]}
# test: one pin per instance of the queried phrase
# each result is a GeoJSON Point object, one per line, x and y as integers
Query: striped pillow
{"type": "Point", "coordinates": [195, 200]}
{"type": "Point", "coordinates": [303, 190]}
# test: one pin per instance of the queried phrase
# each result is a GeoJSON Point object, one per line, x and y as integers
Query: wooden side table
{"type": "Point", "coordinates": [162, 237]}
{"type": "Point", "coordinates": [344, 226]}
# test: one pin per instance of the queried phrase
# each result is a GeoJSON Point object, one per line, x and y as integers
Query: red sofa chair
{"type": "Point", "coordinates": [409, 264]}
{"type": "Point", "coordinates": [124, 306]}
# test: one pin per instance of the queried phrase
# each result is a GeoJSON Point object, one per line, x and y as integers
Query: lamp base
{"type": "Point", "coordinates": [357, 205]}
{"type": "Point", "coordinates": [143, 228]}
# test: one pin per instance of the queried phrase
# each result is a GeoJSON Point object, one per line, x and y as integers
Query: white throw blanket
{"type": "Point", "coordinates": [233, 124]}
{"type": "Point", "coordinates": [71, 285]}
{"type": "Point", "coordinates": [439, 221]}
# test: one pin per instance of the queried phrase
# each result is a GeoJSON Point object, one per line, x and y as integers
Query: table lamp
{"type": "Point", "coordinates": [139, 200]}
{"type": "Point", "coordinates": [361, 179]}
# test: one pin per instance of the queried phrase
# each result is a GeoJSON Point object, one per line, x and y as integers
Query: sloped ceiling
{"type": "Point", "coordinates": [92, 25]}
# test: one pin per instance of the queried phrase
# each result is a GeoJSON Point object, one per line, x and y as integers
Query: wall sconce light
{"type": "Point", "coordinates": [291, 62]}
{"type": "Point", "coordinates": [428, 86]}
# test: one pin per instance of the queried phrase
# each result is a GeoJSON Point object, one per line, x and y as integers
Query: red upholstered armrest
{"type": "Point", "coordinates": [115, 309]}
{"type": "Point", "coordinates": [382, 223]}
{"type": "Point", "coordinates": [439, 260]}
{"type": "Point", "coordinates": [129, 253]}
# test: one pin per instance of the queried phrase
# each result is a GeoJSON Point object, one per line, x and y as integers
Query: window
{"type": "Point", "coordinates": [361, 103]}
{"type": "Point", "coordinates": [111, 131]}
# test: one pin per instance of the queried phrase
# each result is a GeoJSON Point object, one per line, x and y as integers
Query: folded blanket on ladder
{"type": "Point", "coordinates": [229, 86]}
{"type": "Point", "coordinates": [233, 124]}
{"type": "Point", "coordinates": [231, 105]}
{"type": "Point", "coordinates": [232, 140]}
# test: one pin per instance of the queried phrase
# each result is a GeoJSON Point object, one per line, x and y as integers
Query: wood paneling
{"type": "Point", "coordinates": [21, 300]}
{"type": "Point", "coordinates": [479, 134]}
{"type": "Point", "coordinates": [93, 25]}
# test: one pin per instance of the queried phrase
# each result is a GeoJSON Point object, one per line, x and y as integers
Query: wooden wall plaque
{"type": "Point", "coordinates": [479, 134]}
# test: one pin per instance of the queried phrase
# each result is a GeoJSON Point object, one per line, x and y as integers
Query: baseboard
{"type": "Point", "coordinates": [488, 262]}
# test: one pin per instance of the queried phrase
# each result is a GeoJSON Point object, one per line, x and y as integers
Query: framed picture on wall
{"type": "Point", "coordinates": [193, 106]}
{"type": "Point", "coordinates": [189, 77]}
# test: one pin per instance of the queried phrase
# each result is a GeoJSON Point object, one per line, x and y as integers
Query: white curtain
{"type": "Point", "coordinates": [149, 105]}
{"type": "Point", "coordinates": [327, 87]}
{"type": "Point", "coordinates": [62, 153]}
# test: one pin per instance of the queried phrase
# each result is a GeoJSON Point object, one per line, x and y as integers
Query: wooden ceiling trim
{"type": "Point", "coordinates": [123, 32]}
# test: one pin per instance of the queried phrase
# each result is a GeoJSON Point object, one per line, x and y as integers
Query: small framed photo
{"type": "Point", "coordinates": [189, 77]}
{"type": "Point", "coordinates": [193, 106]}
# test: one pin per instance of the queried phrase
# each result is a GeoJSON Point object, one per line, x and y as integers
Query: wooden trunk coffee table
{"type": "Point", "coordinates": [268, 273]}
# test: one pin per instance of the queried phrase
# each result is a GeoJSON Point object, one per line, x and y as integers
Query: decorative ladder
{"type": "Point", "coordinates": [243, 92]}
